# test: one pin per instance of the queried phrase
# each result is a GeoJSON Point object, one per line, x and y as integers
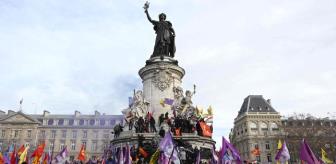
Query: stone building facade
{"type": "Point", "coordinates": [58, 131]}
{"type": "Point", "coordinates": [259, 125]}
{"type": "Point", "coordinates": [319, 133]}
{"type": "Point", "coordinates": [256, 127]}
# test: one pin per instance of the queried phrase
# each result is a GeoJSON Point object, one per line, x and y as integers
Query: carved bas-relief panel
{"type": "Point", "coordinates": [162, 79]}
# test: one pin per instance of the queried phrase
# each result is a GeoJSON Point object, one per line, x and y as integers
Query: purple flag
{"type": "Point", "coordinates": [168, 101]}
{"type": "Point", "coordinates": [168, 148]}
{"type": "Point", "coordinates": [62, 155]}
{"type": "Point", "coordinates": [306, 154]}
{"type": "Point", "coordinates": [283, 154]}
{"type": "Point", "coordinates": [121, 156]}
{"type": "Point", "coordinates": [128, 155]}
{"type": "Point", "coordinates": [229, 152]}
{"type": "Point", "coordinates": [198, 160]}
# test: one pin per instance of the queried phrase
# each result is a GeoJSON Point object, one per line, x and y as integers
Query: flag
{"type": "Point", "coordinates": [279, 144]}
{"type": "Point", "coordinates": [21, 150]}
{"type": "Point", "coordinates": [38, 153]}
{"type": "Point", "coordinates": [283, 154]}
{"type": "Point", "coordinates": [214, 157]}
{"type": "Point", "coordinates": [169, 150]}
{"type": "Point", "coordinates": [198, 159]}
{"type": "Point", "coordinates": [229, 153]}
{"type": "Point", "coordinates": [13, 157]}
{"type": "Point", "coordinates": [81, 154]}
{"type": "Point", "coordinates": [23, 155]}
{"type": "Point", "coordinates": [121, 156]}
{"type": "Point", "coordinates": [143, 152]}
{"type": "Point", "coordinates": [128, 159]}
{"type": "Point", "coordinates": [46, 158]}
{"type": "Point", "coordinates": [324, 157]}
{"type": "Point", "coordinates": [155, 157]}
{"type": "Point", "coordinates": [206, 130]}
{"type": "Point", "coordinates": [256, 151]}
{"type": "Point", "coordinates": [306, 154]}
{"type": "Point", "coordinates": [166, 101]}
{"type": "Point", "coordinates": [2, 159]}
{"type": "Point", "coordinates": [61, 156]}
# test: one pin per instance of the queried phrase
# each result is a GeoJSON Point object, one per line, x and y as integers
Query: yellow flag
{"type": "Point", "coordinates": [155, 157]}
{"type": "Point", "coordinates": [279, 144]}
{"type": "Point", "coordinates": [325, 158]}
{"type": "Point", "coordinates": [23, 155]}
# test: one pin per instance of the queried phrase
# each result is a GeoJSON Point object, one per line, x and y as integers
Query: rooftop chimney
{"type": "Point", "coordinates": [77, 113]}
{"type": "Point", "coordinates": [97, 113]}
{"type": "Point", "coordinates": [45, 113]}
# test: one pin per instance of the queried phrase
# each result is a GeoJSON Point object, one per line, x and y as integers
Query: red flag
{"type": "Point", "coordinates": [178, 131]}
{"type": "Point", "coordinates": [205, 129]}
{"type": "Point", "coordinates": [13, 156]}
{"type": "Point", "coordinates": [46, 158]}
{"type": "Point", "coordinates": [21, 149]}
{"type": "Point", "coordinates": [81, 155]}
{"type": "Point", "coordinates": [256, 151]}
{"type": "Point", "coordinates": [2, 160]}
{"type": "Point", "coordinates": [38, 153]}
{"type": "Point", "coordinates": [143, 152]}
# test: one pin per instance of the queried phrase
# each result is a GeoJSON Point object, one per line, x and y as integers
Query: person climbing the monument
{"type": "Point", "coordinates": [165, 35]}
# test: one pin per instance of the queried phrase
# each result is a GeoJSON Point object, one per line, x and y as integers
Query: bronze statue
{"type": "Point", "coordinates": [165, 35]}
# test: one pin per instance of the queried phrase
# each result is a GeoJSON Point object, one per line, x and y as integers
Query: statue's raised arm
{"type": "Point", "coordinates": [165, 35]}
{"type": "Point", "coordinates": [146, 6]}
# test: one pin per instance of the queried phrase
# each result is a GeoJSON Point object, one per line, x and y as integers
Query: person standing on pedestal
{"type": "Point", "coordinates": [165, 35]}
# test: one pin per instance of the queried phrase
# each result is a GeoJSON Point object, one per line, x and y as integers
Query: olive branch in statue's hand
{"type": "Point", "coordinates": [146, 6]}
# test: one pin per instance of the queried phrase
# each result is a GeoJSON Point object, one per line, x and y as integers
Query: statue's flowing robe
{"type": "Point", "coordinates": [164, 39]}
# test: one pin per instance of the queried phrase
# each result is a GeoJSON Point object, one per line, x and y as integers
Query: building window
{"type": "Point", "coordinates": [72, 158]}
{"type": "Point", "coordinates": [85, 134]}
{"type": "Point", "coordinates": [74, 134]}
{"type": "Point", "coordinates": [50, 122]}
{"type": "Point", "coordinates": [1, 145]}
{"type": "Point", "coordinates": [62, 144]}
{"type": "Point", "coordinates": [71, 122]}
{"type": "Point", "coordinates": [29, 133]}
{"type": "Point", "coordinates": [105, 145]}
{"type": "Point", "coordinates": [94, 146]}
{"type": "Point", "coordinates": [81, 122]}
{"type": "Point", "coordinates": [16, 133]}
{"type": "Point", "coordinates": [96, 133]}
{"type": "Point", "coordinates": [51, 146]}
{"type": "Point", "coordinates": [43, 134]}
{"type": "Point", "coordinates": [112, 122]}
{"type": "Point", "coordinates": [84, 143]}
{"type": "Point", "coordinates": [61, 122]}
{"type": "Point", "coordinates": [267, 146]}
{"type": "Point", "coordinates": [73, 145]}
{"type": "Point", "coordinates": [92, 122]}
{"type": "Point", "coordinates": [258, 158]}
{"type": "Point", "coordinates": [53, 134]}
{"type": "Point", "coordinates": [3, 133]}
{"type": "Point", "coordinates": [102, 122]}
{"type": "Point", "coordinates": [269, 157]}
{"type": "Point", "coordinates": [64, 133]}
{"type": "Point", "coordinates": [106, 135]}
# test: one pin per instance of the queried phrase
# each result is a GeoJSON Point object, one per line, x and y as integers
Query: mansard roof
{"type": "Point", "coordinates": [256, 103]}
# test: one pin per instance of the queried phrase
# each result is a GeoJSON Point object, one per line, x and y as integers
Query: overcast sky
{"type": "Point", "coordinates": [62, 55]}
